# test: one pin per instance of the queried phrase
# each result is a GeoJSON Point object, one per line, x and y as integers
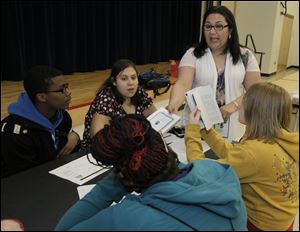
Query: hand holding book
{"type": "Point", "coordinates": [204, 99]}
{"type": "Point", "coordinates": [194, 116]}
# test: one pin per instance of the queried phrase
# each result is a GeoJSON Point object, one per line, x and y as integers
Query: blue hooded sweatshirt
{"type": "Point", "coordinates": [25, 108]}
{"type": "Point", "coordinates": [207, 198]}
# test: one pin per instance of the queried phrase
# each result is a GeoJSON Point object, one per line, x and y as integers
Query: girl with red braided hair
{"type": "Point", "coordinates": [202, 195]}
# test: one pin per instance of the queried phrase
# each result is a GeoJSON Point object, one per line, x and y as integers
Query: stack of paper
{"type": "Point", "coordinates": [79, 171]}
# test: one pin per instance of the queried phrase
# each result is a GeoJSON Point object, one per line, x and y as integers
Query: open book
{"type": "Point", "coordinates": [162, 121]}
{"type": "Point", "coordinates": [204, 98]}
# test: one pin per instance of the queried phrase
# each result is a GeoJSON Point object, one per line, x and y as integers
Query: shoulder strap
{"type": "Point", "coordinates": [172, 216]}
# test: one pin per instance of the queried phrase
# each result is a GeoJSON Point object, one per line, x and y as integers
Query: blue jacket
{"type": "Point", "coordinates": [28, 138]}
{"type": "Point", "coordinates": [207, 198]}
{"type": "Point", "coordinates": [25, 109]}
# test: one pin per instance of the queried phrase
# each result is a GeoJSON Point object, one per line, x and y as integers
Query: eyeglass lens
{"type": "Point", "coordinates": [217, 27]}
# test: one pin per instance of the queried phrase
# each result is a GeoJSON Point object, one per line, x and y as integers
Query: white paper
{"type": "Point", "coordinates": [178, 146]}
{"type": "Point", "coordinates": [84, 189]}
{"type": "Point", "coordinates": [204, 98]}
{"type": "Point", "coordinates": [79, 171]}
{"type": "Point", "coordinates": [162, 121]}
{"type": "Point", "coordinates": [223, 128]}
{"type": "Point", "coordinates": [205, 146]}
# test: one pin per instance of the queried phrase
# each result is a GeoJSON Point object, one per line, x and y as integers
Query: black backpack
{"type": "Point", "coordinates": [152, 80]}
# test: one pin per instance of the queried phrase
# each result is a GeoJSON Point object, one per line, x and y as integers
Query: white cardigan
{"type": "Point", "coordinates": [206, 74]}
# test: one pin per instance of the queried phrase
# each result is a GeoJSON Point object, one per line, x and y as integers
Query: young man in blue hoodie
{"type": "Point", "coordinates": [38, 129]}
{"type": "Point", "coordinates": [202, 195]}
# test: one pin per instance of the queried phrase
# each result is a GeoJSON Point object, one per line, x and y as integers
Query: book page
{"type": "Point", "coordinates": [206, 101]}
{"type": "Point", "coordinates": [178, 146]}
{"type": "Point", "coordinates": [78, 171]}
{"type": "Point", "coordinates": [84, 189]}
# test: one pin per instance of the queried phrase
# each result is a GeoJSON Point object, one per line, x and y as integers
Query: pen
{"type": "Point", "coordinates": [166, 136]}
{"type": "Point", "coordinates": [91, 174]}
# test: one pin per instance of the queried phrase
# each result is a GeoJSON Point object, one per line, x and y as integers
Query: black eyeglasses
{"type": "Point", "coordinates": [95, 162]}
{"type": "Point", "coordinates": [217, 27]}
{"type": "Point", "coordinates": [62, 90]}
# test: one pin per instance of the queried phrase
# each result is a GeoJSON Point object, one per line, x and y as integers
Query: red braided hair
{"type": "Point", "coordinates": [134, 149]}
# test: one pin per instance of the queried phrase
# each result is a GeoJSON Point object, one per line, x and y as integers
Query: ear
{"type": "Point", "coordinates": [230, 34]}
{"type": "Point", "coordinates": [41, 97]}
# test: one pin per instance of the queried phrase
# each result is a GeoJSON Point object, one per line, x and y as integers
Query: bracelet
{"type": "Point", "coordinates": [236, 104]}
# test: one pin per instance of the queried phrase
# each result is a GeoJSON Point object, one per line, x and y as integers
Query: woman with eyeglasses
{"type": "Point", "coordinates": [219, 61]}
{"type": "Point", "coordinates": [118, 96]}
{"type": "Point", "coordinates": [202, 195]}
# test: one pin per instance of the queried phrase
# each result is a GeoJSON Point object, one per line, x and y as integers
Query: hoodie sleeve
{"type": "Point", "coordinates": [239, 156]}
{"type": "Point", "coordinates": [106, 191]}
{"type": "Point", "coordinates": [194, 150]}
{"type": "Point", "coordinates": [216, 142]}
{"type": "Point", "coordinates": [213, 139]}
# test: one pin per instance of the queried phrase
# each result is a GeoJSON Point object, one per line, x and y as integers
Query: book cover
{"type": "Point", "coordinates": [162, 121]}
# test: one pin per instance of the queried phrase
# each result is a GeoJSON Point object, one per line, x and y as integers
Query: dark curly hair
{"type": "Point", "coordinates": [136, 151]}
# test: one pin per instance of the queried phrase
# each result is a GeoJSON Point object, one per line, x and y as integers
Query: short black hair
{"type": "Point", "coordinates": [38, 80]}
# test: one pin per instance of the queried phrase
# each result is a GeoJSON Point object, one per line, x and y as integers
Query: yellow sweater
{"type": "Point", "coordinates": [269, 176]}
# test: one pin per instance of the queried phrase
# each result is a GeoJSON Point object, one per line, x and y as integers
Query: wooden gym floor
{"type": "Point", "coordinates": [85, 85]}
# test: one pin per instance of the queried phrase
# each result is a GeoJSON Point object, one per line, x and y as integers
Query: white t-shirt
{"type": "Point", "coordinates": [189, 59]}
{"type": "Point", "coordinates": [206, 74]}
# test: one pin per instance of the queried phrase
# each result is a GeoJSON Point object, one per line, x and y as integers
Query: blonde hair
{"type": "Point", "coordinates": [267, 109]}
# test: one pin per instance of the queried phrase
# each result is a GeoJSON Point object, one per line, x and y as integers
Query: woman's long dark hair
{"type": "Point", "coordinates": [233, 44]}
{"type": "Point", "coordinates": [118, 67]}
